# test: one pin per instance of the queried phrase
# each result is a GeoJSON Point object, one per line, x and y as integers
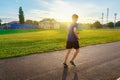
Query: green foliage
{"type": "Point", "coordinates": [48, 19]}
{"type": "Point", "coordinates": [110, 25]}
{"type": "Point", "coordinates": [118, 24]}
{"type": "Point", "coordinates": [0, 21]}
{"type": "Point", "coordinates": [32, 22]}
{"type": "Point", "coordinates": [21, 44]}
{"type": "Point", "coordinates": [29, 22]}
{"type": "Point", "coordinates": [97, 25]}
{"type": "Point", "coordinates": [21, 16]}
{"type": "Point", "coordinates": [36, 22]}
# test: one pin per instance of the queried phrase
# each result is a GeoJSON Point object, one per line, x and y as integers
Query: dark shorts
{"type": "Point", "coordinates": [72, 44]}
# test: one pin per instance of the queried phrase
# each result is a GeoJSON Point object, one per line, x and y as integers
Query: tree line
{"type": "Point", "coordinates": [96, 24]}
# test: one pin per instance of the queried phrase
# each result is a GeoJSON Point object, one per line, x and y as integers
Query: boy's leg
{"type": "Point", "coordinates": [67, 55]}
{"type": "Point", "coordinates": [75, 54]}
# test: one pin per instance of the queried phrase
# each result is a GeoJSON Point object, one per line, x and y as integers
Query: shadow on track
{"type": "Point", "coordinates": [65, 73]}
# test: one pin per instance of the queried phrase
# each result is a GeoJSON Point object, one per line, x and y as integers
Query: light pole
{"type": "Point", "coordinates": [107, 14]}
{"type": "Point", "coordinates": [115, 19]}
{"type": "Point", "coordinates": [102, 18]}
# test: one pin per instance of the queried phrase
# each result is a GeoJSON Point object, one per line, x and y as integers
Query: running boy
{"type": "Point", "coordinates": [72, 41]}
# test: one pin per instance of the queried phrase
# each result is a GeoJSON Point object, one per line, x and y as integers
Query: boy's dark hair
{"type": "Point", "coordinates": [74, 16]}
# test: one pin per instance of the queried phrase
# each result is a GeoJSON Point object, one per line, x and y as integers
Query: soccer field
{"type": "Point", "coordinates": [24, 42]}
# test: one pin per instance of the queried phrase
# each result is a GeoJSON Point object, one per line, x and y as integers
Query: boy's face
{"type": "Point", "coordinates": [75, 19]}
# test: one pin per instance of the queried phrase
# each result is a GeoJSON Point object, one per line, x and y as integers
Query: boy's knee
{"type": "Point", "coordinates": [77, 50]}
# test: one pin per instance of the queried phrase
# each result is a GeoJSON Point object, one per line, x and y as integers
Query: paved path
{"type": "Point", "coordinates": [97, 62]}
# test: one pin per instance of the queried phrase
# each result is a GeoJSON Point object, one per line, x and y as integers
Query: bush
{"type": "Point", "coordinates": [97, 25]}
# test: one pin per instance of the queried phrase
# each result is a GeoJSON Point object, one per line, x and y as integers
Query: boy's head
{"type": "Point", "coordinates": [75, 17]}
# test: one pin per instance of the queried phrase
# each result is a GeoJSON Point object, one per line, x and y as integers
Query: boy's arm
{"type": "Point", "coordinates": [76, 33]}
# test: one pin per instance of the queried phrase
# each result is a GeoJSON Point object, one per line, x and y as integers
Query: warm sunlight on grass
{"type": "Point", "coordinates": [37, 41]}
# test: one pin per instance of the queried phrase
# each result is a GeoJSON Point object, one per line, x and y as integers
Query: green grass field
{"type": "Point", "coordinates": [9, 31]}
{"type": "Point", "coordinates": [15, 43]}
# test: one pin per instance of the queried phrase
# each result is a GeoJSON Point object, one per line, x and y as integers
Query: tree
{"type": "Point", "coordinates": [21, 16]}
{"type": "Point", "coordinates": [118, 24]}
{"type": "Point", "coordinates": [97, 24]}
{"type": "Point", "coordinates": [110, 25]}
{"type": "Point", "coordinates": [32, 22]}
{"type": "Point", "coordinates": [29, 22]}
{"type": "Point", "coordinates": [0, 21]}
{"type": "Point", "coordinates": [36, 22]}
{"type": "Point", "coordinates": [48, 20]}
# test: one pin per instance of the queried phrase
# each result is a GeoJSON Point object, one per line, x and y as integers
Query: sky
{"type": "Point", "coordinates": [88, 10]}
